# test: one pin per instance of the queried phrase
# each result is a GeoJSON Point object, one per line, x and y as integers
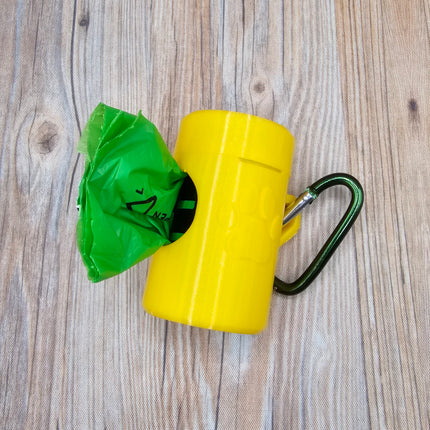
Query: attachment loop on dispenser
{"type": "Point", "coordinates": [306, 198]}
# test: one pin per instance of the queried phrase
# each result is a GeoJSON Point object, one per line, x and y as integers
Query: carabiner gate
{"type": "Point", "coordinates": [306, 198]}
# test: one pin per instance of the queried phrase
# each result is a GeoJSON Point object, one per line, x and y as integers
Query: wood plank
{"type": "Point", "coordinates": [384, 50]}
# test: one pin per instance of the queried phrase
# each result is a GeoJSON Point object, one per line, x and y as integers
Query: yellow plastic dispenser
{"type": "Point", "coordinates": [219, 274]}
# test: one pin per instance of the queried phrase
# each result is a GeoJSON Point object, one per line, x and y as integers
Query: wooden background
{"type": "Point", "coordinates": [351, 80]}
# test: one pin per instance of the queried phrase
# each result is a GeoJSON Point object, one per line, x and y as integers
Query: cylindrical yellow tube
{"type": "Point", "coordinates": [219, 274]}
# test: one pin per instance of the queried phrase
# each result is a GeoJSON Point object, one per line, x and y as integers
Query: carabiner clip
{"type": "Point", "coordinates": [306, 198]}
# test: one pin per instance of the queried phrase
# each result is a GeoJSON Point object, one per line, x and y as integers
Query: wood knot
{"type": "Point", "coordinates": [414, 116]}
{"type": "Point", "coordinates": [259, 87]}
{"type": "Point", "coordinates": [46, 138]}
{"type": "Point", "coordinates": [413, 105]}
{"type": "Point", "coordinates": [84, 20]}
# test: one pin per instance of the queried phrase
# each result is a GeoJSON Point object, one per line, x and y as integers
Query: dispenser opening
{"type": "Point", "coordinates": [185, 209]}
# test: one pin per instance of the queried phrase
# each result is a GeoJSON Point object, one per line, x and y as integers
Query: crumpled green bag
{"type": "Point", "coordinates": [127, 194]}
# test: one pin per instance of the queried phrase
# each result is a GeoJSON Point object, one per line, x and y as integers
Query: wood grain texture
{"type": "Point", "coordinates": [351, 81]}
{"type": "Point", "coordinates": [385, 62]}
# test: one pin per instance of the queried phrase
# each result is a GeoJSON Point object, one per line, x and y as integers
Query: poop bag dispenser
{"type": "Point", "coordinates": [128, 192]}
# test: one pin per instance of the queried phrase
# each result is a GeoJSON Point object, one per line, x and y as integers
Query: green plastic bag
{"type": "Point", "coordinates": [127, 194]}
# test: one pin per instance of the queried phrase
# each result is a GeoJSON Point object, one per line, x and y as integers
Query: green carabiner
{"type": "Point", "coordinates": [307, 197]}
